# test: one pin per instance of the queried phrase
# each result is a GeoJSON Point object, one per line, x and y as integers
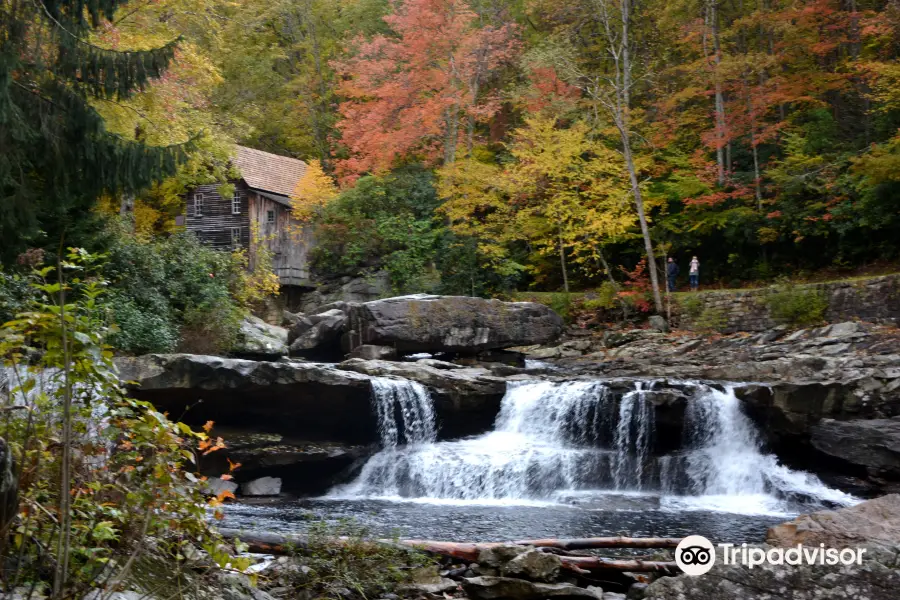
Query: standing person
{"type": "Point", "coordinates": [695, 274]}
{"type": "Point", "coordinates": [672, 271]}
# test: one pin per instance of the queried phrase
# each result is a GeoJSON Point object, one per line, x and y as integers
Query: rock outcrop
{"type": "Point", "coordinates": [875, 522]}
{"type": "Point", "coordinates": [873, 445]}
{"type": "Point", "coordinates": [301, 420]}
{"type": "Point", "coordinates": [873, 525]}
{"type": "Point", "coordinates": [423, 323]}
{"type": "Point", "coordinates": [466, 400]}
{"type": "Point", "coordinates": [318, 334]}
{"type": "Point", "coordinates": [283, 397]}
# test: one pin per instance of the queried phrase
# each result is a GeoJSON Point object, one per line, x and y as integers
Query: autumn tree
{"type": "Point", "coordinates": [607, 77]}
{"type": "Point", "coordinates": [408, 92]}
{"type": "Point", "coordinates": [314, 190]}
{"type": "Point", "coordinates": [58, 155]}
{"type": "Point", "coordinates": [562, 193]}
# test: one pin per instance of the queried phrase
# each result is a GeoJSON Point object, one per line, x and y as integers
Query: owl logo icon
{"type": "Point", "coordinates": [695, 555]}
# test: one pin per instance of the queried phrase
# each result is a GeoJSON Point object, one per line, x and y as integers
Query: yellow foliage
{"type": "Point", "coordinates": [563, 190]}
{"type": "Point", "coordinates": [145, 220]}
{"type": "Point", "coordinates": [314, 190]}
{"type": "Point", "coordinates": [255, 280]}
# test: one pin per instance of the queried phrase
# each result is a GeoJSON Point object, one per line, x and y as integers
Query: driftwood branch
{"type": "Point", "coordinates": [274, 543]}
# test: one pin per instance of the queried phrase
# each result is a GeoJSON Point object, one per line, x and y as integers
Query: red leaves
{"type": "Point", "coordinates": [403, 91]}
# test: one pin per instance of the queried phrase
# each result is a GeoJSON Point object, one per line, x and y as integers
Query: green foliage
{"type": "Point", "coordinates": [368, 568]}
{"type": "Point", "coordinates": [174, 293]}
{"type": "Point", "coordinates": [691, 305]}
{"type": "Point", "coordinates": [607, 297]}
{"type": "Point", "coordinates": [710, 319]}
{"type": "Point", "coordinates": [58, 157]}
{"type": "Point", "coordinates": [104, 481]}
{"type": "Point", "coordinates": [797, 306]}
{"type": "Point", "coordinates": [15, 294]}
{"type": "Point", "coordinates": [382, 222]}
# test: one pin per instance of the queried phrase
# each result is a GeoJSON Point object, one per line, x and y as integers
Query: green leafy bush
{"type": "Point", "coordinates": [795, 305]}
{"type": "Point", "coordinates": [174, 293]}
{"type": "Point", "coordinates": [382, 222]}
{"type": "Point", "coordinates": [105, 482]}
{"type": "Point", "coordinates": [368, 568]}
{"type": "Point", "coordinates": [15, 294]}
{"type": "Point", "coordinates": [607, 297]}
{"type": "Point", "coordinates": [691, 306]}
{"type": "Point", "coordinates": [710, 319]}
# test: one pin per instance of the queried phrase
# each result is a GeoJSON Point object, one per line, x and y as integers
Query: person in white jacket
{"type": "Point", "coordinates": [695, 274]}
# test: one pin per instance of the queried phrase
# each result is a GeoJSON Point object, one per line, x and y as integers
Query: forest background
{"type": "Point", "coordinates": [487, 146]}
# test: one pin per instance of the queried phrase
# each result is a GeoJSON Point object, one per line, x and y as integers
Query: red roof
{"type": "Point", "coordinates": [269, 172]}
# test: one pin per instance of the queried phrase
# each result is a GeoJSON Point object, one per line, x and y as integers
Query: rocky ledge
{"type": "Point", "coordinates": [304, 422]}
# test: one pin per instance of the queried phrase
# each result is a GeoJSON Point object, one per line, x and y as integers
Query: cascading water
{"type": "Point", "coordinates": [405, 412]}
{"type": "Point", "coordinates": [553, 439]}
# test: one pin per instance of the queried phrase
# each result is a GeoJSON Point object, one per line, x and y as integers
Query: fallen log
{"type": "Point", "coordinates": [275, 543]}
{"type": "Point", "coordinates": [603, 542]}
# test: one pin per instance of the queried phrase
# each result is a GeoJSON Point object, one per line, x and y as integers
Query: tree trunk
{"type": "Point", "coordinates": [619, 49]}
{"type": "Point", "coordinates": [562, 263]}
{"type": "Point", "coordinates": [452, 135]}
{"type": "Point", "coordinates": [721, 136]}
{"type": "Point", "coordinates": [642, 218]}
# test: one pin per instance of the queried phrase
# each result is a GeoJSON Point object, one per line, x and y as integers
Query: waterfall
{"type": "Point", "coordinates": [405, 412]}
{"type": "Point", "coordinates": [554, 439]}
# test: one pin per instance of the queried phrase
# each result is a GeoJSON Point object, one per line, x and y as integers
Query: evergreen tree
{"type": "Point", "coordinates": [56, 155]}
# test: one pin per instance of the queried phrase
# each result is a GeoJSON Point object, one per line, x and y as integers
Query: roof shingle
{"type": "Point", "coordinates": [269, 172]}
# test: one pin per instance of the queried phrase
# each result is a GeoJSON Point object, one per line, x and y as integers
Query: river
{"type": "Point", "coordinates": [564, 459]}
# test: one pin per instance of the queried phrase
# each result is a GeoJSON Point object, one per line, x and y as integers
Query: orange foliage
{"type": "Point", "coordinates": [403, 90]}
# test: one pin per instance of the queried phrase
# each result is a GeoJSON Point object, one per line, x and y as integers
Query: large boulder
{"type": "Point", "coordinates": [424, 323]}
{"type": "Point", "coordinates": [264, 486]}
{"type": "Point", "coordinates": [873, 525]}
{"type": "Point", "coordinates": [534, 565]}
{"type": "Point", "coordinates": [258, 339]}
{"type": "Point", "coordinates": [873, 522]}
{"type": "Point", "coordinates": [318, 333]}
{"type": "Point", "coordinates": [873, 444]}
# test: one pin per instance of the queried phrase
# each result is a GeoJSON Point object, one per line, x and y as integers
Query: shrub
{"type": "Point", "coordinates": [796, 306]}
{"type": "Point", "coordinates": [691, 306]}
{"type": "Point", "coordinates": [15, 294]}
{"type": "Point", "coordinates": [174, 292]}
{"type": "Point", "coordinates": [366, 567]}
{"type": "Point", "coordinates": [607, 297]}
{"type": "Point", "coordinates": [710, 319]}
{"type": "Point", "coordinates": [105, 482]}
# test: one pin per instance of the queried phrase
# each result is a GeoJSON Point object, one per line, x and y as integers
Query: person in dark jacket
{"type": "Point", "coordinates": [672, 271]}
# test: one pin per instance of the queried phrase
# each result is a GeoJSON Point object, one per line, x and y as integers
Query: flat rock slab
{"type": "Point", "coordinates": [501, 588]}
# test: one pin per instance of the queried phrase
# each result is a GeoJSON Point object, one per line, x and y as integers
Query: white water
{"type": "Point", "coordinates": [405, 412]}
{"type": "Point", "coordinates": [556, 441]}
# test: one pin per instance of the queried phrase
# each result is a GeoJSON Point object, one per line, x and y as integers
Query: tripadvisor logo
{"type": "Point", "coordinates": [695, 555]}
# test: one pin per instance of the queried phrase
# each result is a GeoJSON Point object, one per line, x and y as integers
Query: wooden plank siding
{"type": "Point", "coordinates": [287, 239]}
{"type": "Point", "coordinates": [213, 226]}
